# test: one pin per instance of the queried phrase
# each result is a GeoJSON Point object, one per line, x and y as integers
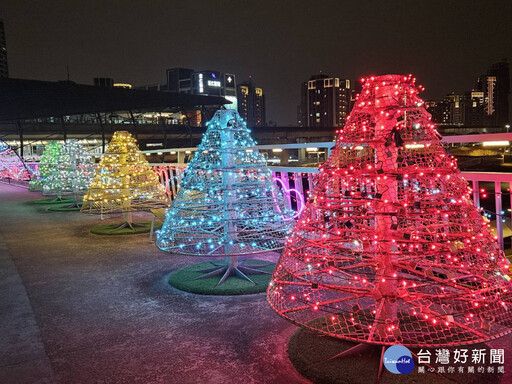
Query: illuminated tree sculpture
{"type": "Point", "coordinates": [71, 174]}
{"type": "Point", "coordinates": [11, 165]}
{"type": "Point", "coordinates": [124, 182]}
{"type": "Point", "coordinates": [228, 204]}
{"type": "Point", "coordinates": [390, 248]}
{"type": "Point", "coordinates": [49, 159]}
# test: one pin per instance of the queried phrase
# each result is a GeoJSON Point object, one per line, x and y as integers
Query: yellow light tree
{"type": "Point", "coordinates": [124, 182]}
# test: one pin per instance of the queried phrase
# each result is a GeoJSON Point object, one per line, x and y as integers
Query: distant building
{"type": "Point", "coordinates": [105, 82]}
{"type": "Point", "coordinates": [487, 104]}
{"type": "Point", "coordinates": [251, 104]}
{"type": "Point", "coordinates": [498, 91]}
{"type": "Point", "coordinates": [209, 83]}
{"type": "Point", "coordinates": [455, 109]}
{"type": "Point", "coordinates": [302, 109]}
{"type": "Point", "coordinates": [474, 108]}
{"type": "Point", "coordinates": [325, 101]}
{"type": "Point", "coordinates": [4, 71]}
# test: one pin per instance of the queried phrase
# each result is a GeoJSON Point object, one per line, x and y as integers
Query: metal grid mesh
{"type": "Point", "coordinates": [124, 180]}
{"type": "Point", "coordinates": [72, 172]}
{"type": "Point", "coordinates": [11, 165]}
{"type": "Point", "coordinates": [228, 203]}
{"type": "Point", "coordinates": [390, 248]}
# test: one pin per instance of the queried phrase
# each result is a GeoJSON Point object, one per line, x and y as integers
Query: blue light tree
{"type": "Point", "coordinates": [228, 204]}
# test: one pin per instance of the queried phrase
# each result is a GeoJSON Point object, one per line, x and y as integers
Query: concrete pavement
{"type": "Point", "coordinates": [81, 308]}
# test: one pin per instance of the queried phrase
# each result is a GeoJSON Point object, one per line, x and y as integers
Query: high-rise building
{"type": "Point", "coordinates": [498, 91]}
{"type": "Point", "coordinates": [4, 72]}
{"type": "Point", "coordinates": [302, 109]}
{"type": "Point", "coordinates": [208, 83]}
{"type": "Point", "coordinates": [456, 109]}
{"type": "Point", "coordinates": [474, 108]}
{"type": "Point", "coordinates": [325, 101]}
{"type": "Point", "coordinates": [251, 104]}
{"type": "Point", "coordinates": [487, 104]}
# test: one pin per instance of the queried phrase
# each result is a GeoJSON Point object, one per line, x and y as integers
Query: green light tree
{"type": "Point", "coordinates": [71, 174]}
{"type": "Point", "coordinates": [47, 162]}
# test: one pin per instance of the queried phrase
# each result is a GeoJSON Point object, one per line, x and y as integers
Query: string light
{"type": "Point", "coordinates": [46, 163]}
{"type": "Point", "coordinates": [390, 248]}
{"type": "Point", "coordinates": [124, 181]}
{"type": "Point", "coordinates": [11, 165]}
{"type": "Point", "coordinates": [71, 173]}
{"type": "Point", "coordinates": [228, 203]}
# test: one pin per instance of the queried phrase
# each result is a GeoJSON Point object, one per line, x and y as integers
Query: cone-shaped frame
{"type": "Point", "coordinates": [124, 181]}
{"type": "Point", "coordinates": [72, 173]}
{"type": "Point", "coordinates": [228, 204]}
{"type": "Point", "coordinates": [47, 162]}
{"type": "Point", "coordinates": [390, 249]}
{"type": "Point", "coordinates": [11, 165]}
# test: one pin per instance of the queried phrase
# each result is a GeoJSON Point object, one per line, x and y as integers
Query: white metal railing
{"type": "Point", "coordinates": [298, 181]}
{"type": "Point", "coordinates": [458, 139]}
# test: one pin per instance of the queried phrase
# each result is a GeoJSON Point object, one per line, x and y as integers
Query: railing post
{"type": "Point", "coordinates": [499, 223]}
{"type": "Point", "coordinates": [310, 183]}
{"type": "Point", "coordinates": [297, 181]}
{"type": "Point", "coordinates": [286, 183]}
{"type": "Point", "coordinates": [476, 193]}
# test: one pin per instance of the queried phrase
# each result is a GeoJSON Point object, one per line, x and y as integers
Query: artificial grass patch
{"type": "Point", "coordinates": [64, 208]}
{"type": "Point", "coordinates": [143, 226]}
{"type": "Point", "coordinates": [309, 353]}
{"type": "Point", "coordinates": [183, 279]}
{"type": "Point", "coordinates": [54, 200]}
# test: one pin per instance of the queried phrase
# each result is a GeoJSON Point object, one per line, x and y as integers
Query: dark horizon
{"type": "Point", "coordinates": [446, 46]}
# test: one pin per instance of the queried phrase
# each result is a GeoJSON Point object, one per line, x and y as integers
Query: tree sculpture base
{"type": "Point", "coordinates": [123, 228]}
{"type": "Point", "coordinates": [203, 278]}
{"type": "Point", "coordinates": [54, 200]}
{"type": "Point", "coordinates": [236, 268]}
{"type": "Point", "coordinates": [324, 359]}
{"type": "Point", "coordinates": [64, 208]}
{"type": "Point", "coordinates": [74, 206]}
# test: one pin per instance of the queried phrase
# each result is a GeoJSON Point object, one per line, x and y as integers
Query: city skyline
{"type": "Point", "coordinates": [281, 45]}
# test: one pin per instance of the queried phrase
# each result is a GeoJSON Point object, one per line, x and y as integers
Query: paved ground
{"type": "Point", "coordinates": [81, 308]}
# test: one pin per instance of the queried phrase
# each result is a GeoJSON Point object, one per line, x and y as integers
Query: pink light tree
{"type": "Point", "coordinates": [390, 248]}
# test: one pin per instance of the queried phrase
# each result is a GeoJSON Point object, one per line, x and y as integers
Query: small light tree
{"type": "Point", "coordinates": [124, 182]}
{"type": "Point", "coordinates": [71, 174]}
{"type": "Point", "coordinates": [12, 166]}
{"type": "Point", "coordinates": [228, 205]}
{"type": "Point", "coordinates": [46, 163]}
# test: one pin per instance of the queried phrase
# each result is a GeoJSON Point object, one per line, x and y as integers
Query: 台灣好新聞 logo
{"type": "Point", "coordinates": [398, 360]}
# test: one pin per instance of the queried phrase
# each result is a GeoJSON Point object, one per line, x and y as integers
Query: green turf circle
{"type": "Point", "coordinates": [310, 352]}
{"type": "Point", "coordinates": [183, 279]}
{"type": "Point", "coordinates": [53, 200]}
{"type": "Point", "coordinates": [63, 208]}
{"type": "Point", "coordinates": [110, 228]}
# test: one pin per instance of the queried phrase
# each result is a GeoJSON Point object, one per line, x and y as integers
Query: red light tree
{"type": "Point", "coordinates": [390, 248]}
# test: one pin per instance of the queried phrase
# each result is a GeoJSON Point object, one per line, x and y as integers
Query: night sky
{"type": "Point", "coordinates": [446, 44]}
